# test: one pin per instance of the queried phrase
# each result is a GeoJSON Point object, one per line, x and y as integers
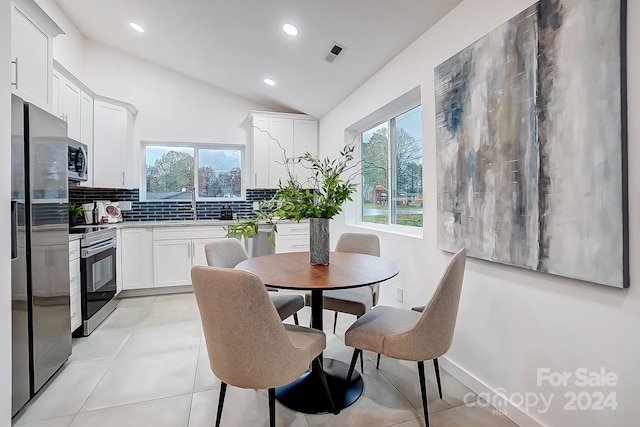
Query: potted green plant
{"type": "Point", "coordinates": [74, 212]}
{"type": "Point", "coordinates": [319, 198]}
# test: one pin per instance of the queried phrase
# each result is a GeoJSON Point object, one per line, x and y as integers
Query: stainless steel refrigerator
{"type": "Point", "coordinates": [41, 329]}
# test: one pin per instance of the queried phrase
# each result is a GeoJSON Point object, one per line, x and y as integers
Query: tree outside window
{"type": "Point", "coordinates": [170, 172]}
{"type": "Point", "coordinates": [392, 171]}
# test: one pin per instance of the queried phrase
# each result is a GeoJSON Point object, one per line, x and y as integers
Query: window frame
{"type": "Point", "coordinates": [385, 114]}
{"type": "Point", "coordinates": [197, 146]}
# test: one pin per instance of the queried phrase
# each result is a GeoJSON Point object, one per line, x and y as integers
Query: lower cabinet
{"type": "Point", "coordinates": [74, 284]}
{"type": "Point", "coordinates": [136, 246]}
{"type": "Point", "coordinates": [160, 256]}
{"type": "Point", "coordinates": [292, 238]}
{"type": "Point", "coordinates": [177, 249]}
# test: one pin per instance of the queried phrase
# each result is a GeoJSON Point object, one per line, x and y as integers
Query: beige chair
{"type": "Point", "coordinates": [227, 253]}
{"type": "Point", "coordinates": [355, 301]}
{"type": "Point", "coordinates": [248, 345]}
{"type": "Point", "coordinates": [410, 335]}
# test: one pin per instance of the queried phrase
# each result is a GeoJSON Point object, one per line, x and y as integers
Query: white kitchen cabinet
{"type": "Point", "coordinates": [292, 238]}
{"type": "Point", "coordinates": [86, 132]}
{"type": "Point", "coordinates": [74, 284]}
{"type": "Point", "coordinates": [276, 136]}
{"type": "Point", "coordinates": [32, 32]}
{"type": "Point", "coordinates": [137, 258]}
{"type": "Point", "coordinates": [112, 145]}
{"type": "Point", "coordinates": [177, 249]}
{"type": "Point", "coordinates": [66, 104]}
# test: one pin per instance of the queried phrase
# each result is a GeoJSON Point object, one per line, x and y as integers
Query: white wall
{"type": "Point", "coordinates": [511, 321]}
{"type": "Point", "coordinates": [171, 107]}
{"type": "Point", "coordinates": [5, 209]}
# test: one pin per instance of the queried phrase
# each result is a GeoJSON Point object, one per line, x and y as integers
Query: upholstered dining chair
{"type": "Point", "coordinates": [408, 334]}
{"type": "Point", "coordinates": [247, 344]}
{"type": "Point", "coordinates": [227, 253]}
{"type": "Point", "coordinates": [355, 301]}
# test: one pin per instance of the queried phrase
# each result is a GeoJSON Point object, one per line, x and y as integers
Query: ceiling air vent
{"type": "Point", "coordinates": [335, 50]}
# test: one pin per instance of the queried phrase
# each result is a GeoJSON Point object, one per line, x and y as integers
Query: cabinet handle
{"type": "Point", "coordinates": [122, 178]}
{"type": "Point", "coordinates": [193, 249]}
{"type": "Point", "coordinates": [16, 83]}
{"type": "Point", "coordinates": [255, 179]}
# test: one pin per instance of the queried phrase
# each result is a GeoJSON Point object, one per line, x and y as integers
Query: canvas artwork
{"type": "Point", "coordinates": [531, 143]}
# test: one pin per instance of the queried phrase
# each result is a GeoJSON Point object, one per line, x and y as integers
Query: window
{"type": "Point", "coordinates": [170, 171]}
{"type": "Point", "coordinates": [392, 170]}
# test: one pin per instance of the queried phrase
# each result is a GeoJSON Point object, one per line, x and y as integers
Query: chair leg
{"type": "Point", "coordinates": [362, 362]}
{"type": "Point", "coordinates": [423, 389]}
{"type": "Point", "coordinates": [295, 319]}
{"type": "Point", "coordinates": [223, 391]}
{"type": "Point", "coordinates": [437, 369]}
{"type": "Point", "coordinates": [352, 366]}
{"type": "Point", "coordinates": [325, 384]}
{"type": "Point", "coordinates": [378, 362]}
{"type": "Point", "coordinates": [335, 322]}
{"type": "Point", "coordinates": [272, 407]}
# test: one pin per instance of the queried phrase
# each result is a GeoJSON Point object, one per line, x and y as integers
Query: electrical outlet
{"type": "Point", "coordinates": [124, 206]}
{"type": "Point", "coordinates": [256, 205]}
{"type": "Point", "coordinates": [399, 294]}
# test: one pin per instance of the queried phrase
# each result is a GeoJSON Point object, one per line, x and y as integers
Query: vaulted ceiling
{"type": "Point", "coordinates": [235, 44]}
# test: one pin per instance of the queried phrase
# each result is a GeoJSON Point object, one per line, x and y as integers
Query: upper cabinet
{"type": "Point", "coordinates": [112, 144]}
{"type": "Point", "coordinates": [72, 101]}
{"type": "Point", "coordinates": [275, 137]}
{"type": "Point", "coordinates": [66, 104]}
{"type": "Point", "coordinates": [32, 32]}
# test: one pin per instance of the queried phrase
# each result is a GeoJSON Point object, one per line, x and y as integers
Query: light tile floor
{"type": "Point", "coordinates": [147, 365]}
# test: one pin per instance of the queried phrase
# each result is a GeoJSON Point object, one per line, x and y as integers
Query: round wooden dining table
{"type": "Point", "coordinates": [345, 270]}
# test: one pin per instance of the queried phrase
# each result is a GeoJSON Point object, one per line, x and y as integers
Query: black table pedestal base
{"type": "Point", "coordinates": [306, 394]}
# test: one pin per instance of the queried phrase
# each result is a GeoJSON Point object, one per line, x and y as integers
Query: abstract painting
{"type": "Point", "coordinates": [531, 143]}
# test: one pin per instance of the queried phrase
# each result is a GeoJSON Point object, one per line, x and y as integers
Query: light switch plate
{"type": "Point", "coordinates": [124, 206]}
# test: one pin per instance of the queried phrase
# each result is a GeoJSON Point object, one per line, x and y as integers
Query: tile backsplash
{"type": "Point", "coordinates": [171, 210]}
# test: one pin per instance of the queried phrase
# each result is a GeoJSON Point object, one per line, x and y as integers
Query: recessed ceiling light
{"type": "Point", "coordinates": [290, 29]}
{"type": "Point", "coordinates": [136, 27]}
{"type": "Point", "coordinates": [269, 82]}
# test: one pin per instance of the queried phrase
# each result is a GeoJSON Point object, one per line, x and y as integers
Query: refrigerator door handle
{"type": "Point", "coordinates": [14, 229]}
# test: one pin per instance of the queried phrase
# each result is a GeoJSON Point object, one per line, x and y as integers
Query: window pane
{"type": "Point", "coordinates": [219, 173]}
{"type": "Point", "coordinates": [169, 173]}
{"type": "Point", "coordinates": [407, 180]}
{"type": "Point", "coordinates": [375, 194]}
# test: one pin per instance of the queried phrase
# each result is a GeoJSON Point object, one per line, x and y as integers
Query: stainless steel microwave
{"type": "Point", "coordinates": [77, 161]}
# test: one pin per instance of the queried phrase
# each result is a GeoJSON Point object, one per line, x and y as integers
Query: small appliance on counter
{"type": "Point", "coordinates": [114, 214]}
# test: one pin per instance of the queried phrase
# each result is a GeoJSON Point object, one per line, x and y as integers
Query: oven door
{"type": "Point", "coordinates": [98, 268]}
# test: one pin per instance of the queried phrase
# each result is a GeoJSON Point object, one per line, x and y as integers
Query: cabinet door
{"type": "Point", "coordinates": [86, 132]}
{"type": "Point", "coordinates": [260, 152]}
{"type": "Point", "coordinates": [172, 262]}
{"type": "Point", "coordinates": [280, 147]}
{"type": "Point", "coordinates": [137, 258]}
{"type": "Point", "coordinates": [69, 107]}
{"type": "Point", "coordinates": [109, 140]}
{"type": "Point", "coordinates": [30, 48]}
{"type": "Point", "coordinates": [199, 257]}
{"type": "Point", "coordinates": [305, 137]}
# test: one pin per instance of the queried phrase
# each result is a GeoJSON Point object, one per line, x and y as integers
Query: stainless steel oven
{"type": "Point", "coordinates": [98, 274]}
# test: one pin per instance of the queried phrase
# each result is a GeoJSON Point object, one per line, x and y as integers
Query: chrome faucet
{"type": "Point", "coordinates": [193, 204]}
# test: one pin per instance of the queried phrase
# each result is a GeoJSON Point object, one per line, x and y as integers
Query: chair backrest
{"type": "Point", "coordinates": [246, 341]}
{"type": "Point", "coordinates": [361, 243]}
{"type": "Point", "coordinates": [226, 253]}
{"type": "Point", "coordinates": [431, 337]}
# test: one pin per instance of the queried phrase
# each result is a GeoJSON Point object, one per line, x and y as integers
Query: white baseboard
{"type": "Point", "coordinates": [514, 413]}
